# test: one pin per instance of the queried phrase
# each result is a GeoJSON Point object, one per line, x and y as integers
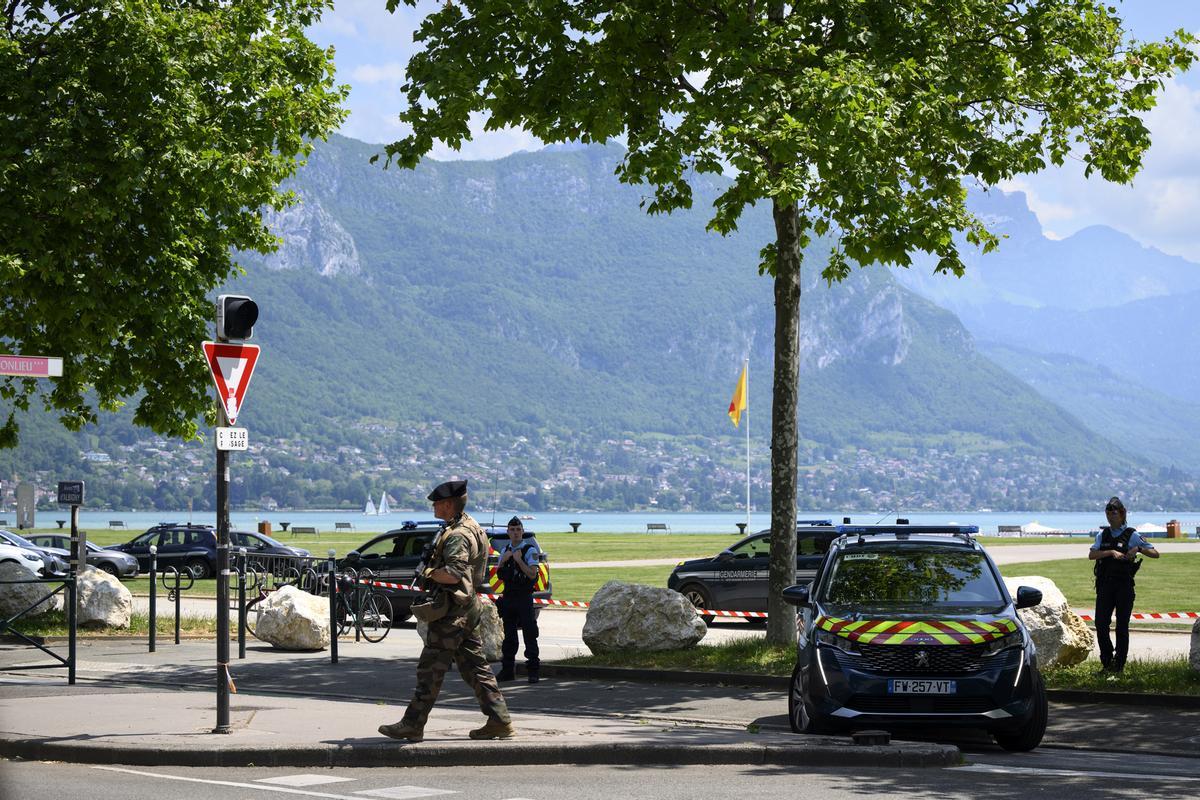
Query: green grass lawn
{"type": "Point", "coordinates": [1163, 584]}
{"type": "Point", "coordinates": [55, 624]}
{"type": "Point", "coordinates": [581, 584]}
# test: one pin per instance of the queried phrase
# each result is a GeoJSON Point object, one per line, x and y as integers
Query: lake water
{"type": "Point", "coordinates": [608, 522]}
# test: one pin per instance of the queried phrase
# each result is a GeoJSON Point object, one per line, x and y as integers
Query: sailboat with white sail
{"type": "Point", "coordinates": [383, 505]}
{"type": "Point", "coordinates": [369, 510]}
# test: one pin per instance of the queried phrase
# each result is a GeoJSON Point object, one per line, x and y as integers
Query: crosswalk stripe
{"type": "Point", "coordinates": [1070, 773]}
{"type": "Point", "coordinates": [303, 779]}
{"type": "Point", "coordinates": [258, 786]}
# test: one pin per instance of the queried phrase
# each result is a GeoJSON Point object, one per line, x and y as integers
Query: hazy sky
{"type": "Point", "coordinates": [1159, 209]}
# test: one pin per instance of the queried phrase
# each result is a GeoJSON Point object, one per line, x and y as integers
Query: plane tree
{"type": "Point", "coordinates": [139, 142]}
{"type": "Point", "coordinates": [860, 123]}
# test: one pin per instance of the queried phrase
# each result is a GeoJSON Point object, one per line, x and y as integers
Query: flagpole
{"type": "Point", "coordinates": [747, 368]}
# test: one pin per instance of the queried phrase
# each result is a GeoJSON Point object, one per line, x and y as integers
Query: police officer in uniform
{"type": "Point", "coordinates": [1115, 552]}
{"type": "Point", "coordinates": [456, 567]}
{"type": "Point", "coordinates": [518, 568]}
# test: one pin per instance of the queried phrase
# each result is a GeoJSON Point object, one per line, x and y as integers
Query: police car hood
{"type": "Point", "coordinates": [919, 628]}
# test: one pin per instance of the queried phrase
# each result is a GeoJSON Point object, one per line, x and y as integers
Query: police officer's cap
{"type": "Point", "coordinates": [447, 490]}
{"type": "Point", "coordinates": [516, 521]}
{"type": "Point", "coordinates": [1114, 503]}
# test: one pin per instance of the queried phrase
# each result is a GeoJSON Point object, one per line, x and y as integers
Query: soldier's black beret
{"type": "Point", "coordinates": [516, 521]}
{"type": "Point", "coordinates": [447, 490]}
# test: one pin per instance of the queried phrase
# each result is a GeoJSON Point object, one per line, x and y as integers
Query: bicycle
{"type": "Point", "coordinates": [362, 607]}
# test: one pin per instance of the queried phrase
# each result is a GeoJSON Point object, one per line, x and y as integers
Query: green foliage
{"type": "Point", "coordinates": [865, 115]}
{"type": "Point", "coordinates": [138, 143]}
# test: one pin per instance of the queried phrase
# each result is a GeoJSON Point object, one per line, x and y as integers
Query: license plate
{"type": "Point", "coordinates": [921, 687]}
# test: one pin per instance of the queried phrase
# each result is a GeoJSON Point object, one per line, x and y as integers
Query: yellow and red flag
{"type": "Point", "coordinates": [738, 404]}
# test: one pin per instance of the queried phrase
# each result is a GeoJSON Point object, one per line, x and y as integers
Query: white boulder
{"type": "Point", "coordinates": [1058, 633]}
{"type": "Point", "coordinates": [628, 616]}
{"type": "Point", "coordinates": [16, 597]}
{"type": "Point", "coordinates": [292, 619]}
{"type": "Point", "coordinates": [491, 631]}
{"type": "Point", "coordinates": [103, 601]}
{"type": "Point", "coordinates": [1194, 653]}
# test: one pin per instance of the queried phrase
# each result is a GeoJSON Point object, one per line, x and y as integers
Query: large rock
{"type": "Point", "coordinates": [15, 597]}
{"type": "Point", "coordinates": [292, 619]}
{"type": "Point", "coordinates": [1061, 637]}
{"type": "Point", "coordinates": [629, 616]}
{"type": "Point", "coordinates": [1194, 653]}
{"type": "Point", "coordinates": [491, 631]}
{"type": "Point", "coordinates": [103, 601]}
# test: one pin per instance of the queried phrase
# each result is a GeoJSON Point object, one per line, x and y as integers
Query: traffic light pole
{"type": "Point", "coordinates": [223, 679]}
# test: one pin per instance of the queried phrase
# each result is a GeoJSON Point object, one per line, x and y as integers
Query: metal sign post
{"type": "Point", "coordinates": [71, 493]}
{"type": "Point", "coordinates": [231, 366]}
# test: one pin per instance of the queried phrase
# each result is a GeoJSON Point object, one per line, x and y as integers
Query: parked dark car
{"type": "Point", "coordinates": [394, 556]}
{"type": "Point", "coordinates": [265, 553]}
{"type": "Point", "coordinates": [114, 562]}
{"type": "Point", "coordinates": [182, 546]}
{"type": "Point", "coordinates": [55, 561]}
{"type": "Point", "coordinates": [736, 578]}
{"type": "Point", "coordinates": [909, 626]}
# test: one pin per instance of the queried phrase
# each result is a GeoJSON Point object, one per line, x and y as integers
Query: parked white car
{"type": "Point", "coordinates": [29, 559]}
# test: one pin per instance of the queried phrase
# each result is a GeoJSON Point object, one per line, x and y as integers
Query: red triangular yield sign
{"type": "Point", "coordinates": [231, 366]}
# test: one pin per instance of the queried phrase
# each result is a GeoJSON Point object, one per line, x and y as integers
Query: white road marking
{"type": "Point", "coordinates": [1071, 773]}
{"type": "Point", "coordinates": [404, 792]}
{"type": "Point", "coordinates": [259, 787]}
{"type": "Point", "coordinates": [306, 779]}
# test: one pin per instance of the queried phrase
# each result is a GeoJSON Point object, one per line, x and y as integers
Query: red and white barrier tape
{"type": "Point", "coordinates": [1163, 615]}
{"type": "Point", "coordinates": [1153, 615]}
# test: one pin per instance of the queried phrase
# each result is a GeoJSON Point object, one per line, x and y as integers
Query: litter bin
{"type": "Point", "coordinates": [264, 528]}
{"type": "Point", "coordinates": [1174, 530]}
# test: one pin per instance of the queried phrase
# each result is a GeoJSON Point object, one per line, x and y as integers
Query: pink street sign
{"type": "Point", "coordinates": [31, 366]}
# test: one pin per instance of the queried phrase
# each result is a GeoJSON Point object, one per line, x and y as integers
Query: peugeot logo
{"type": "Point", "coordinates": [922, 658]}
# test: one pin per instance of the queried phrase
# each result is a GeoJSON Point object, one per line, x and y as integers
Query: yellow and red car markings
{"type": "Point", "coordinates": [917, 632]}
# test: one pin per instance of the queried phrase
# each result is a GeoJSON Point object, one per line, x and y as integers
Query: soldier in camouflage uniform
{"type": "Point", "coordinates": [457, 567]}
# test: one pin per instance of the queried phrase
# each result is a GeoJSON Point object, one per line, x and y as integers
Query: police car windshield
{"type": "Point", "coordinates": [909, 578]}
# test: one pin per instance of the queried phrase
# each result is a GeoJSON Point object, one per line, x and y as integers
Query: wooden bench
{"type": "Point", "coordinates": [304, 529]}
{"type": "Point", "coordinates": [116, 523]}
{"type": "Point", "coordinates": [1003, 529]}
{"type": "Point", "coordinates": [657, 526]}
{"type": "Point", "coordinates": [343, 526]}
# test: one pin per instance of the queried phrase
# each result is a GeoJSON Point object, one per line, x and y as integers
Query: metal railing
{"type": "Point", "coordinates": [69, 586]}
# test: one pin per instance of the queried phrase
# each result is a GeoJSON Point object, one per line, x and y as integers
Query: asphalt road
{"type": "Point", "coordinates": [997, 776]}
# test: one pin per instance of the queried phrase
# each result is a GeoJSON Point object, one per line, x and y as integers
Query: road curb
{"type": "Point", "coordinates": [780, 683]}
{"type": "Point", "coordinates": [818, 753]}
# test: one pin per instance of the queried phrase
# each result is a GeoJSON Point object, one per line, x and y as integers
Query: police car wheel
{"type": "Point", "coordinates": [799, 713]}
{"type": "Point", "coordinates": [1029, 735]}
{"type": "Point", "coordinates": [698, 596]}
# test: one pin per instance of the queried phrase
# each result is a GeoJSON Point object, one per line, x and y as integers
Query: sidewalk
{"type": "Point", "coordinates": [173, 728]}
{"type": "Point", "coordinates": [296, 709]}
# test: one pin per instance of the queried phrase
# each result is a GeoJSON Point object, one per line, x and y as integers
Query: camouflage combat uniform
{"type": "Point", "coordinates": [456, 636]}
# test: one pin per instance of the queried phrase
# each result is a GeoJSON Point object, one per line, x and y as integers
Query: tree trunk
{"type": "Point", "coordinates": [781, 618]}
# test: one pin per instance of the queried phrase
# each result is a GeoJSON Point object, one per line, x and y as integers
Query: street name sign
{"type": "Point", "coordinates": [231, 366]}
{"type": "Point", "coordinates": [31, 366]}
{"type": "Point", "coordinates": [232, 439]}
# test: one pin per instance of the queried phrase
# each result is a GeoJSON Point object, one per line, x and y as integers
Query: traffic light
{"type": "Point", "coordinates": [236, 315]}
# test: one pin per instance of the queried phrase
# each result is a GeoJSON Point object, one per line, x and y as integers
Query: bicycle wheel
{"type": "Point", "coordinates": [375, 618]}
{"type": "Point", "coordinates": [253, 611]}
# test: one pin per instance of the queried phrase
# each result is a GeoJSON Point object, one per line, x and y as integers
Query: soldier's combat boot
{"type": "Point", "coordinates": [403, 730]}
{"type": "Point", "coordinates": [494, 729]}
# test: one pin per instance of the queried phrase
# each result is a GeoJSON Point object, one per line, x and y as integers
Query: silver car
{"type": "Point", "coordinates": [56, 561]}
{"type": "Point", "coordinates": [115, 563]}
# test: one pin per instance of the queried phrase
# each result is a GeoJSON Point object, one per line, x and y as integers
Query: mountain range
{"type": "Point", "coordinates": [531, 296]}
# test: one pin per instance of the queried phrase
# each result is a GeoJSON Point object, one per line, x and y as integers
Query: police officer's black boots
{"type": "Point", "coordinates": [534, 677]}
{"type": "Point", "coordinates": [507, 672]}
